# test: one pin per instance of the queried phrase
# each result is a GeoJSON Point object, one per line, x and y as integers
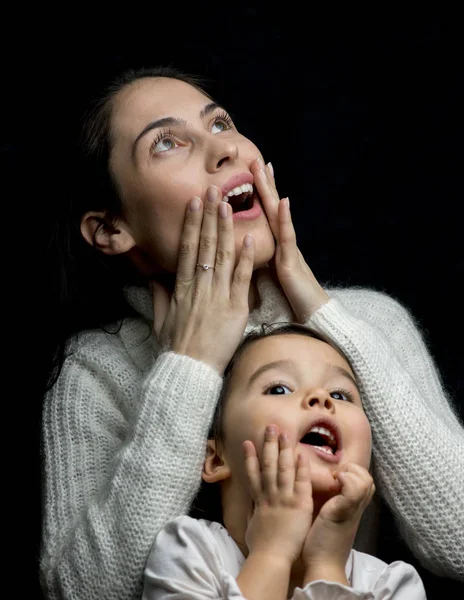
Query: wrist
{"type": "Point", "coordinates": [326, 571]}
{"type": "Point", "coordinates": [272, 558]}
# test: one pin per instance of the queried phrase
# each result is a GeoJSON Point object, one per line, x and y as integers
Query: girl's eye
{"type": "Point", "coordinates": [344, 395]}
{"type": "Point", "coordinates": [163, 142]}
{"type": "Point", "coordinates": [278, 389]}
{"type": "Point", "coordinates": [221, 123]}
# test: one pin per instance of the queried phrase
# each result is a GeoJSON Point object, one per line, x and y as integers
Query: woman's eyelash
{"type": "Point", "coordinates": [164, 133]}
{"type": "Point", "coordinates": [223, 116]}
{"type": "Point", "coordinates": [167, 133]}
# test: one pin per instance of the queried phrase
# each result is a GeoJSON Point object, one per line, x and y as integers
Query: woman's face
{"type": "Point", "coordinates": [170, 143]}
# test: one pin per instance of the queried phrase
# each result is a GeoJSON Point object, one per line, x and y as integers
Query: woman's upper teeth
{"type": "Point", "coordinates": [236, 191]}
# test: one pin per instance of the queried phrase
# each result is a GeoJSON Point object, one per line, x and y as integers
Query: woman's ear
{"type": "Point", "coordinates": [98, 230]}
{"type": "Point", "coordinates": [215, 467]}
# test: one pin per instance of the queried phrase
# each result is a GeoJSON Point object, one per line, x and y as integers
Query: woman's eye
{"type": "Point", "coordinates": [219, 126]}
{"type": "Point", "coordinates": [278, 389]}
{"type": "Point", "coordinates": [164, 144]}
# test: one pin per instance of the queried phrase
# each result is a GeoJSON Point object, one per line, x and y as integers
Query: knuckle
{"type": "Point", "coordinates": [241, 276]}
{"type": "Point", "coordinates": [207, 242]}
{"type": "Point", "coordinates": [197, 293]}
{"type": "Point", "coordinates": [223, 256]}
{"type": "Point", "coordinates": [186, 248]}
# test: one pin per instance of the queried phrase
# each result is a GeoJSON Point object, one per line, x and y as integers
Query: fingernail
{"type": "Point", "coordinates": [271, 168]}
{"type": "Point", "coordinates": [260, 164]}
{"type": "Point", "coordinates": [211, 194]}
{"type": "Point", "coordinates": [223, 210]}
{"type": "Point", "coordinates": [247, 240]}
{"type": "Point", "coordinates": [194, 204]}
{"type": "Point", "coordinates": [271, 429]}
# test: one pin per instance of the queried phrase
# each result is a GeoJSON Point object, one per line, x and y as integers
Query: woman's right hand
{"type": "Point", "coordinates": [207, 313]}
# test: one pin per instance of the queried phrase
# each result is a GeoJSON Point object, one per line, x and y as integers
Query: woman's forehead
{"type": "Point", "coordinates": [152, 98]}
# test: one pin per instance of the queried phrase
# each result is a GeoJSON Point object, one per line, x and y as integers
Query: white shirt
{"type": "Point", "coordinates": [198, 559]}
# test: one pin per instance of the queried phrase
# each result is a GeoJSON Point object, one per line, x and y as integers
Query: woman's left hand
{"type": "Point", "coordinates": [303, 291]}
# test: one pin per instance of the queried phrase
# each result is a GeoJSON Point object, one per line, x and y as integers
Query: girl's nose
{"type": "Point", "coordinates": [319, 398]}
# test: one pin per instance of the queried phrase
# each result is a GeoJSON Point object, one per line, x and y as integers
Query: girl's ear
{"type": "Point", "coordinates": [215, 467]}
{"type": "Point", "coordinates": [98, 231]}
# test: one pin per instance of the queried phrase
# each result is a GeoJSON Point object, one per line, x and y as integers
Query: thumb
{"type": "Point", "coordinates": [161, 304]}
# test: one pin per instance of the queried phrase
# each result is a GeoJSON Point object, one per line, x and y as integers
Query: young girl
{"type": "Point", "coordinates": [176, 242]}
{"type": "Point", "coordinates": [291, 508]}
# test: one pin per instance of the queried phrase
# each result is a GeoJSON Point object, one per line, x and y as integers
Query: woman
{"type": "Point", "coordinates": [169, 188]}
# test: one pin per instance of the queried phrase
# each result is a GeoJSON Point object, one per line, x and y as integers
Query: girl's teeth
{"type": "Point", "coordinates": [325, 449]}
{"type": "Point", "coordinates": [323, 431]}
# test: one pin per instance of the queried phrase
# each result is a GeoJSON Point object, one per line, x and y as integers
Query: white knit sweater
{"type": "Point", "coordinates": [124, 431]}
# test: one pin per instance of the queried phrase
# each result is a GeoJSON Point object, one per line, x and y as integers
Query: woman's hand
{"type": "Point", "coordinates": [282, 494]}
{"type": "Point", "coordinates": [330, 539]}
{"type": "Point", "coordinates": [299, 284]}
{"type": "Point", "coordinates": [206, 316]}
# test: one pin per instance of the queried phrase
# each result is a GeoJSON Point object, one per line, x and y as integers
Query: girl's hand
{"type": "Point", "coordinates": [332, 534]}
{"type": "Point", "coordinates": [302, 289]}
{"type": "Point", "coordinates": [206, 316]}
{"type": "Point", "coordinates": [282, 494]}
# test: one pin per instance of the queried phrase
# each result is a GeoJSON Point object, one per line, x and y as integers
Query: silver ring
{"type": "Point", "coordinates": [205, 267]}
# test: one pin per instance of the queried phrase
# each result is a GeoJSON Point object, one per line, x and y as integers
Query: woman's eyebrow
{"type": "Point", "coordinates": [170, 121]}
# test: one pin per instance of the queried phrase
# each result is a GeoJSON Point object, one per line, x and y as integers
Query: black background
{"type": "Point", "coordinates": [363, 125]}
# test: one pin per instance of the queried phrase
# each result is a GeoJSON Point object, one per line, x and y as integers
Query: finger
{"type": "Point", "coordinates": [252, 469]}
{"type": "Point", "coordinates": [353, 468]}
{"type": "Point", "coordinates": [208, 235]}
{"type": "Point", "coordinates": [303, 485]}
{"type": "Point", "coordinates": [161, 304]}
{"type": "Point", "coordinates": [286, 465]}
{"type": "Point", "coordinates": [189, 242]}
{"type": "Point", "coordinates": [270, 460]}
{"type": "Point", "coordinates": [287, 235]}
{"type": "Point", "coordinates": [265, 186]}
{"type": "Point", "coordinates": [225, 254]}
{"type": "Point", "coordinates": [356, 483]}
{"type": "Point", "coordinates": [243, 272]}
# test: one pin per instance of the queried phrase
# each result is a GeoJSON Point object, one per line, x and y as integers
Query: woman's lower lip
{"type": "Point", "coordinates": [252, 213]}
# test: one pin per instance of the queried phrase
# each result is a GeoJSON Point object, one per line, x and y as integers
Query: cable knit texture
{"type": "Point", "coordinates": [125, 427]}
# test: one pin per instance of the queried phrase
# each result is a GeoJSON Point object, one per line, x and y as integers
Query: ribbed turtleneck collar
{"type": "Point", "coordinates": [271, 307]}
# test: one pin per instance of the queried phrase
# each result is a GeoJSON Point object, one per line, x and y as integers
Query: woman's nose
{"type": "Point", "coordinates": [319, 398]}
{"type": "Point", "coordinates": [221, 152]}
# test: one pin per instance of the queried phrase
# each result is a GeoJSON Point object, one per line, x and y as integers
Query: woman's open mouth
{"type": "Point", "coordinates": [245, 205]}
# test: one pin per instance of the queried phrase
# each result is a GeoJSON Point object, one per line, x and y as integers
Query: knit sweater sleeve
{"type": "Point", "coordinates": [418, 439]}
{"type": "Point", "coordinates": [122, 455]}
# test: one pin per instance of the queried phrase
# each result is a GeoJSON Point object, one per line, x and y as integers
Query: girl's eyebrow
{"type": "Point", "coordinates": [289, 364]}
{"type": "Point", "coordinates": [344, 373]}
{"type": "Point", "coordinates": [170, 121]}
{"type": "Point", "coordinates": [276, 363]}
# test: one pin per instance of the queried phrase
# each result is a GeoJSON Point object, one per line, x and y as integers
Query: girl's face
{"type": "Point", "coordinates": [306, 388]}
{"type": "Point", "coordinates": [170, 143]}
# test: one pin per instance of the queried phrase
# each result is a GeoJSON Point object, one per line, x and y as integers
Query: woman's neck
{"type": "Point", "coordinates": [168, 281]}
